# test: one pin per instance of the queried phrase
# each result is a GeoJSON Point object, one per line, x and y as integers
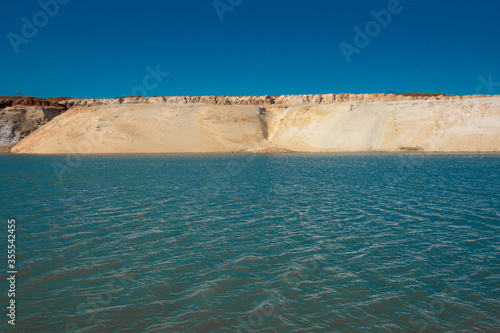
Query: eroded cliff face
{"type": "Point", "coordinates": [20, 115]}
{"type": "Point", "coordinates": [65, 103]}
{"type": "Point", "coordinates": [51, 102]}
{"type": "Point", "coordinates": [17, 122]}
{"type": "Point", "coordinates": [155, 125]}
{"type": "Point", "coordinates": [283, 100]}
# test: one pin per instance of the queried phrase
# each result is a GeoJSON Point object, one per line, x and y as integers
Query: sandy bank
{"type": "Point", "coordinates": [406, 125]}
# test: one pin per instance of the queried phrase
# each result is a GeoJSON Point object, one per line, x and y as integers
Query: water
{"type": "Point", "coordinates": [254, 243]}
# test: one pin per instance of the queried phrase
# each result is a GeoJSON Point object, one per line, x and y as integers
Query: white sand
{"type": "Point", "coordinates": [448, 125]}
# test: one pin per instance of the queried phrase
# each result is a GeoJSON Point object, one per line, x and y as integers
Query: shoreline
{"type": "Point", "coordinates": [405, 126]}
{"type": "Point", "coordinates": [267, 153]}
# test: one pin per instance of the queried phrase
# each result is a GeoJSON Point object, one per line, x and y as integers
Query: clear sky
{"type": "Point", "coordinates": [248, 47]}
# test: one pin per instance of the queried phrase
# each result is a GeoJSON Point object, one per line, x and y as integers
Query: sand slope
{"type": "Point", "coordinates": [458, 125]}
{"type": "Point", "coordinates": [435, 125]}
{"type": "Point", "coordinates": [149, 129]}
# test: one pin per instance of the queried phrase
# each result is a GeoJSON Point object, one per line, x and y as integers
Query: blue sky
{"type": "Point", "coordinates": [109, 49]}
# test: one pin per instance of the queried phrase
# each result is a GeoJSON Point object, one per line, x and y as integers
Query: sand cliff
{"type": "Point", "coordinates": [303, 123]}
{"type": "Point", "coordinates": [283, 100]}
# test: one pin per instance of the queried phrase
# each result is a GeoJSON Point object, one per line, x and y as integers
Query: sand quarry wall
{"type": "Point", "coordinates": [431, 124]}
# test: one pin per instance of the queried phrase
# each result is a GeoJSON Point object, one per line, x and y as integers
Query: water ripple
{"type": "Point", "coordinates": [267, 243]}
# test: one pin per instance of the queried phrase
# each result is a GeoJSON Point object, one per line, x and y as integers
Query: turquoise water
{"type": "Point", "coordinates": [254, 243]}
